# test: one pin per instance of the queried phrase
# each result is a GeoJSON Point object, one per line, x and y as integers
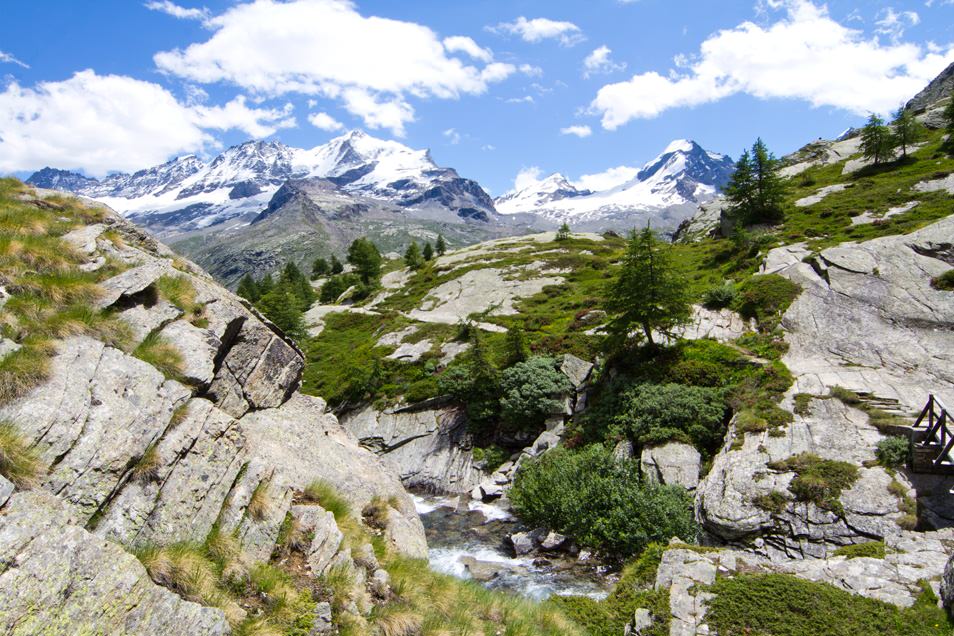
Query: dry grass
{"type": "Point", "coordinates": [19, 462]}
{"type": "Point", "coordinates": [147, 468]}
{"type": "Point", "coordinates": [180, 291]}
{"type": "Point", "coordinates": [162, 354]}
{"type": "Point", "coordinates": [260, 502]}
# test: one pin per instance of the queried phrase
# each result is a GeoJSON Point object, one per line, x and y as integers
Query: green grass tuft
{"type": "Point", "coordinates": [19, 462]}
{"type": "Point", "coordinates": [161, 354]}
{"type": "Point", "coordinates": [819, 481]}
{"type": "Point", "coordinates": [870, 549]}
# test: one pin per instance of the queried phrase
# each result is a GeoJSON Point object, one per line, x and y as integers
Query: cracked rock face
{"type": "Point", "coordinates": [424, 447]}
{"type": "Point", "coordinates": [57, 578]}
{"type": "Point", "coordinates": [136, 459]}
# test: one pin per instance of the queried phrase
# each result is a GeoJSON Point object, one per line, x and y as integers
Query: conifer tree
{"type": "Point", "coordinates": [740, 191]}
{"type": "Point", "coordinates": [320, 268]}
{"type": "Point", "coordinates": [907, 129]}
{"type": "Point", "coordinates": [649, 293]}
{"type": "Point", "coordinates": [877, 142]}
{"type": "Point", "coordinates": [563, 233]}
{"type": "Point", "coordinates": [769, 188]}
{"type": "Point", "coordinates": [366, 258]}
{"type": "Point", "coordinates": [265, 285]}
{"type": "Point", "coordinates": [428, 251]}
{"type": "Point", "coordinates": [336, 266]}
{"type": "Point", "coordinates": [441, 246]}
{"type": "Point", "coordinates": [517, 350]}
{"type": "Point", "coordinates": [248, 289]}
{"type": "Point", "coordinates": [412, 257]}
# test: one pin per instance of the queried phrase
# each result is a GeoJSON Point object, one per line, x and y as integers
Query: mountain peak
{"type": "Point", "coordinates": [680, 145]}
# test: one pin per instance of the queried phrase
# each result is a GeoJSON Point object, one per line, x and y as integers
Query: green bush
{"type": "Point", "coordinates": [766, 298]}
{"type": "Point", "coordinates": [599, 501]}
{"type": "Point", "coordinates": [784, 605]}
{"type": "Point", "coordinates": [944, 282]}
{"type": "Point", "coordinates": [657, 413]}
{"type": "Point", "coordinates": [819, 481]}
{"type": "Point", "coordinates": [892, 452]}
{"type": "Point", "coordinates": [870, 549]}
{"type": "Point", "coordinates": [720, 296]}
{"type": "Point", "coordinates": [337, 285]}
{"type": "Point", "coordinates": [529, 390]}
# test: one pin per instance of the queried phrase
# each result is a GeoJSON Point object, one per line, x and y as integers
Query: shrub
{"type": "Point", "coordinates": [337, 285]}
{"type": "Point", "coordinates": [492, 456]}
{"type": "Point", "coordinates": [782, 604]}
{"type": "Point", "coordinates": [766, 298]}
{"type": "Point", "coordinates": [774, 501]}
{"type": "Point", "coordinates": [600, 502]}
{"type": "Point", "coordinates": [529, 390]}
{"type": "Point", "coordinates": [892, 452]}
{"type": "Point", "coordinates": [803, 403]}
{"type": "Point", "coordinates": [719, 297]}
{"type": "Point", "coordinates": [19, 462]}
{"type": "Point", "coordinates": [944, 282]}
{"type": "Point", "coordinates": [870, 549]}
{"type": "Point", "coordinates": [654, 413]}
{"type": "Point", "coordinates": [819, 481]}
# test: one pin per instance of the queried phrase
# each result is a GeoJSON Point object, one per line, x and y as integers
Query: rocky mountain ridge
{"type": "Point", "coordinates": [134, 459]}
{"type": "Point", "coordinates": [665, 191]}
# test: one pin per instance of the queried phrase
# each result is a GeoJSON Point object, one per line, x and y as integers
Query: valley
{"type": "Point", "coordinates": [345, 391]}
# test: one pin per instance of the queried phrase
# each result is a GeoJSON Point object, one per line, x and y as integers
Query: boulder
{"type": "Point", "coordinates": [380, 583]}
{"type": "Point", "coordinates": [6, 489]}
{"type": "Point", "coordinates": [576, 370]}
{"type": "Point", "coordinates": [553, 541]}
{"type": "Point", "coordinates": [132, 281]}
{"type": "Point", "coordinates": [321, 620]}
{"type": "Point", "coordinates": [522, 543]}
{"type": "Point", "coordinates": [673, 464]}
{"type": "Point", "coordinates": [326, 538]}
{"type": "Point", "coordinates": [143, 319]}
{"type": "Point", "coordinates": [199, 349]}
{"type": "Point", "coordinates": [482, 571]}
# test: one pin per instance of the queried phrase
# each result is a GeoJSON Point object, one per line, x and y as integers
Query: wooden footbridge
{"type": "Point", "coordinates": [932, 439]}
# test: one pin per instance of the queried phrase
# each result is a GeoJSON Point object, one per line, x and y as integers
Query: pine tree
{"type": "Point", "coordinates": [517, 350]}
{"type": "Point", "coordinates": [769, 188]}
{"type": "Point", "coordinates": [428, 251]}
{"type": "Point", "coordinates": [265, 285]}
{"type": "Point", "coordinates": [336, 266]}
{"type": "Point", "coordinates": [366, 258]}
{"type": "Point", "coordinates": [248, 289]}
{"type": "Point", "coordinates": [412, 257]}
{"type": "Point", "coordinates": [650, 293]}
{"type": "Point", "coordinates": [320, 268]}
{"type": "Point", "coordinates": [563, 233]}
{"type": "Point", "coordinates": [907, 129]}
{"type": "Point", "coordinates": [441, 246]}
{"type": "Point", "coordinates": [740, 191]}
{"type": "Point", "coordinates": [281, 307]}
{"type": "Point", "coordinates": [294, 282]}
{"type": "Point", "coordinates": [877, 142]}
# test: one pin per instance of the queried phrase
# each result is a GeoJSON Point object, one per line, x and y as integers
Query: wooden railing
{"type": "Point", "coordinates": [937, 442]}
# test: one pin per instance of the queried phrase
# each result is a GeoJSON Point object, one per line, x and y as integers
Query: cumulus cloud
{"type": "Point", "coordinates": [102, 123]}
{"type": "Point", "coordinates": [176, 11]}
{"type": "Point", "coordinates": [579, 131]}
{"type": "Point", "coordinates": [7, 58]}
{"type": "Point", "coordinates": [539, 29]}
{"type": "Point", "coordinates": [600, 62]}
{"type": "Point", "coordinates": [527, 177]}
{"type": "Point", "coordinates": [804, 55]}
{"type": "Point", "coordinates": [325, 47]}
{"type": "Point", "coordinates": [464, 44]}
{"type": "Point", "coordinates": [324, 121]}
{"type": "Point", "coordinates": [606, 179]}
{"type": "Point", "coordinates": [526, 99]}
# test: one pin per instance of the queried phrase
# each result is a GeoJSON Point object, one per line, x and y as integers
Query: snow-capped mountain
{"type": "Point", "coordinates": [187, 194]}
{"type": "Point", "coordinates": [663, 192]}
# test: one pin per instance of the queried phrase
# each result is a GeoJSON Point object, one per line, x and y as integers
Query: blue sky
{"type": "Point", "coordinates": [487, 85]}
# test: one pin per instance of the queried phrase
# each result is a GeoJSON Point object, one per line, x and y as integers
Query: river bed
{"type": "Point", "coordinates": [468, 539]}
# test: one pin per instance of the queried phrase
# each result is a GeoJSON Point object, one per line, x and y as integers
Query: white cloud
{"type": "Point", "coordinates": [539, 29]}
{"type": "Point", "coordinates": [600, 62]}
{"type": "Point", "coordinates": [526, 99]}
{"type": "Point", "coordinates": [102, 123]}
{"type": "Point", "coordinates": [579, 131]}
{"type": "Point", "coordinates": [7, 58]}
{"type": "Point", "coordinates": [325, 47]}
{"type": "Point", "coordinates": [182, 13]}
{"type": "Point", "coordinates": [488, 147]}
{"type": "Point", "coordinates": [452, 136]}
{"type": "Point", "coordinates": [324, 121]}
{"type": "Point", "coordinates": [606, 179]}
{"type": "Point", "coordinates": [527, 177]}
{"type": "Point", "coordinates": [464, 44]}
{"type": "Point", "coordinates": [893, 24]}
{"type": "Point", "coordinates": [804, 55]}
